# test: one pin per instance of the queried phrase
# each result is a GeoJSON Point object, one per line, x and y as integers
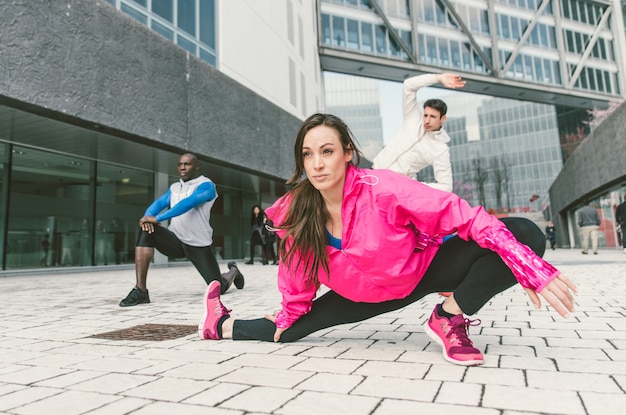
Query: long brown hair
{"type": "Point", "coordinates": [306, 218]}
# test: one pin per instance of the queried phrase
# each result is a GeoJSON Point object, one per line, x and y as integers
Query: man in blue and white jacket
{"type": "Point", "coordinates": [187, 205]}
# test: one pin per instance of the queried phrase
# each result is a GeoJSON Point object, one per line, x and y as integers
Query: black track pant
{"type": "Point", "coordinates": [474, 274]}
{"type": "Point", "coordinates": [167, 243]}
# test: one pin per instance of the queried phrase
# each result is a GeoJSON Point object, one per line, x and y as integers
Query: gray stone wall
{"type": "Point", "coordinates": [91, 64]}
{"type": "Point", "coordinates": [598, 163]}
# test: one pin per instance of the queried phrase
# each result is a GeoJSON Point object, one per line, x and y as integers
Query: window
{"type": "Point", "coordinates": [207, 23]}
{"type": "Point", "coordinates": [353, 34]}
{"type": "Point", "coordinates": [444, 58]}
{"type": "Point", "coordinates": [164, 8]}
{"type": "Point", "coordinates": [431, 49]}
{"type": "Point", "coordinates": [186, 44]}
{"type": "Point", "coordinates": [366, 37]}
{"type": "Point", "coordinates": [455, 52]}
{"type": "Point", "coordinates": [339, 35]}
{"type": "Point", "coordinates": [134, 13]}
{"type": "Point", "coordinates": [381, 39]}
{"type": "Point", "coordinates": [326, 37]}
{"type": "Point", "coordinates": [187, 16]}
{"type": "Point", "coordinates": [504, 27]}
{"type": "Point", "coordinates": [162, 30]}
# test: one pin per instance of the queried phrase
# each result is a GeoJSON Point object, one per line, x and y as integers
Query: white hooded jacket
{"type": "Point", "coordinates": [412, 148]}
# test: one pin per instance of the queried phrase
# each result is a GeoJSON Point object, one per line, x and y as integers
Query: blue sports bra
{"type": "Point", "coordinates": [332, 241]}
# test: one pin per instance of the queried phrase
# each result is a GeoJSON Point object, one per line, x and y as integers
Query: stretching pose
{"type": "Point", "coordinates": [374, 237]}
{"type": "Point", "coordinates": [187, 205]}
{"type": "Point", "coordinates": [421, 141]}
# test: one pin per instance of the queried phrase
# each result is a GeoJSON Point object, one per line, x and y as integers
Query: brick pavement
{"type": "Point", "coordinates": [535, 362]}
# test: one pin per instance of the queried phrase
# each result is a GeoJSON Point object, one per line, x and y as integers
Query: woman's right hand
{"type": "Point", "coordinates": [557, 293]}
{"type": "Point", "coordinates": [279, 331]}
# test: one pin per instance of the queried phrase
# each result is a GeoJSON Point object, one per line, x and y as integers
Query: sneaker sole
{"type": "Point", "coordinates": [239, 281]}
{"type": "Point", "coordinates": [431, 333]}
{"type": "Point", "coordinates": [132, 305]}
{"type": "Point", "coordinates": [206, 311]}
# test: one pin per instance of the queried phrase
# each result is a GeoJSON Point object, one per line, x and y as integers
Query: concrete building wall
{"type": "Point", "coordinates": [85, 62]}
{"type": "Point", "coordinates": [270, 46]}
{"type": "Point", "coordinates": [596, 165]}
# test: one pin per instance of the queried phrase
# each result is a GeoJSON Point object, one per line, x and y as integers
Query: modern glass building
{"type": "Point", "coordinates": [515, 160]}
{"type": "Point", "coordinates": [569, 44]}
{"type": "Point", "coordinates": [567, 56]}
{"type": "Point", "coordinates": [356, 101]}
{"type": "Point", "coordinates": [73, 197]}
{"type": "Point", "coordinates": [96, 109]}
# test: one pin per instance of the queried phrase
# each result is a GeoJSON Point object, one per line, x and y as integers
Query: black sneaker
{"type": "Point", "coordinates": [134, 297]}
{"type": "Point", "coordinates": [238, 281]}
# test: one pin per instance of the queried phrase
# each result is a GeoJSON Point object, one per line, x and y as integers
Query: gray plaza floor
{"type": "Point", "coordinates": [535, 362]}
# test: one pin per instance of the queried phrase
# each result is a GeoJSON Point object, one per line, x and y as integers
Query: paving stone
{"type": "Point", "coordinates": [15, 400]}
{"type": "Point", "coordinates": [32, 374]}
{"type": "Point", "coordinates": [121, 406]}
{"type": "Point", "coordinates": [217, 393]}
{"type": "Point", "coordinates": [494, 376]}
{"type": "Point", "coordinates": [279, 378]}
{"type": "Point", "coordinates": [398, 388]}
{"type": "Point", "coordinates": [571, 381]}
{"type": "Point", "coordinates": [328, 404]}
{"type": "Point", "coordinates": [467, 394]}
{"type": "Point", "coordinates": [167, 389]}
{"type": "Point", "coordinates": [68, 379]}
{"type": "Point", "coordinates": [169, 408]}
{"type": "Point", "coordinates": [336, 366]}
{"type": "Point", "coordinates": [393, 369]}
{"type": "Point", "coordinates": [112, 383]}
{"type": "Point", "coordinates": [396, 407]}
{"type": "Point", "coordinates": [260, 399]}
{"type": "Point", "coordinates": [327, 382]}
{"type": "Point", "coordinates": [66, 403]}
{"type": "Point", "coordinates": [539, 400]}
{"type": "Point", "coordinates": [604, 403]}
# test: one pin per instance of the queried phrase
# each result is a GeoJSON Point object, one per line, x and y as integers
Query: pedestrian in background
{"type": "Point", "coordinates": [620, 218]}
{"type": "Point", "coordinates": [257, 221]}
{"type": "Point", "coordinates": [551, 234]}
{"type": "Point", "coordinates": [589, 223]}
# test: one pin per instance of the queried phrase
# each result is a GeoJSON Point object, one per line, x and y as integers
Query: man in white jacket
{"type": "Point", "coordinates": [421, 140]}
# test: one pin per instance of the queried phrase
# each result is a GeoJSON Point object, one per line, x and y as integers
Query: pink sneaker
{"type": "Point", "coordinates": [451, 334]}
{"type": "Point", "coordinates": [213, 312]}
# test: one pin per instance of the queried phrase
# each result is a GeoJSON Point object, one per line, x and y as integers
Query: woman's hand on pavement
{"type": "Point", "coordinates": [278, 332]}
{"type": "Point", "coordinates": [558, 293]}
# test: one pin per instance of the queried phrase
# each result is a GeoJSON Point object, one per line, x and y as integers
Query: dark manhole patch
{"type": "Point", "coordinates": [149, 332]}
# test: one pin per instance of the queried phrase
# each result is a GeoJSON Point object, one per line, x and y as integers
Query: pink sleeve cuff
{"type": "Point", "coordinates": [530, 270]}
{"type": "Point", "coordinates": [546, 282]}
{"type": "Point", "coordinates": [283, 321]}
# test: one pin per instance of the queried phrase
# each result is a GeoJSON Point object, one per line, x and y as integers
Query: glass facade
{"type": "Point", "coordinates": [515, 156]}
{"type": "Point", "coordinates": [191, 24]}
{"type": "Point", "coordinates": [529, 38]}
{"type": "Point", "coordinates": [73, 197]}
{"type": "Point", "coordinates": [356, 100]}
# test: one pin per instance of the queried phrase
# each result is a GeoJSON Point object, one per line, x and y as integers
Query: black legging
{"type": "Point", "coordinates": [474, 274]}
{"type": "Point", "coordinates": [202, 257]}
{"type": "Point", "coordinates": [255, 239]}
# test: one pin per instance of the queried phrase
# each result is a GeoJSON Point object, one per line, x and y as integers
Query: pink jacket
{"type": "Point", "coordinates": [392, 229]}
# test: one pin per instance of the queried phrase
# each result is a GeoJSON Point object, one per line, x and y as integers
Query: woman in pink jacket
{"type": "Point", "coordinates": [375, 238]}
